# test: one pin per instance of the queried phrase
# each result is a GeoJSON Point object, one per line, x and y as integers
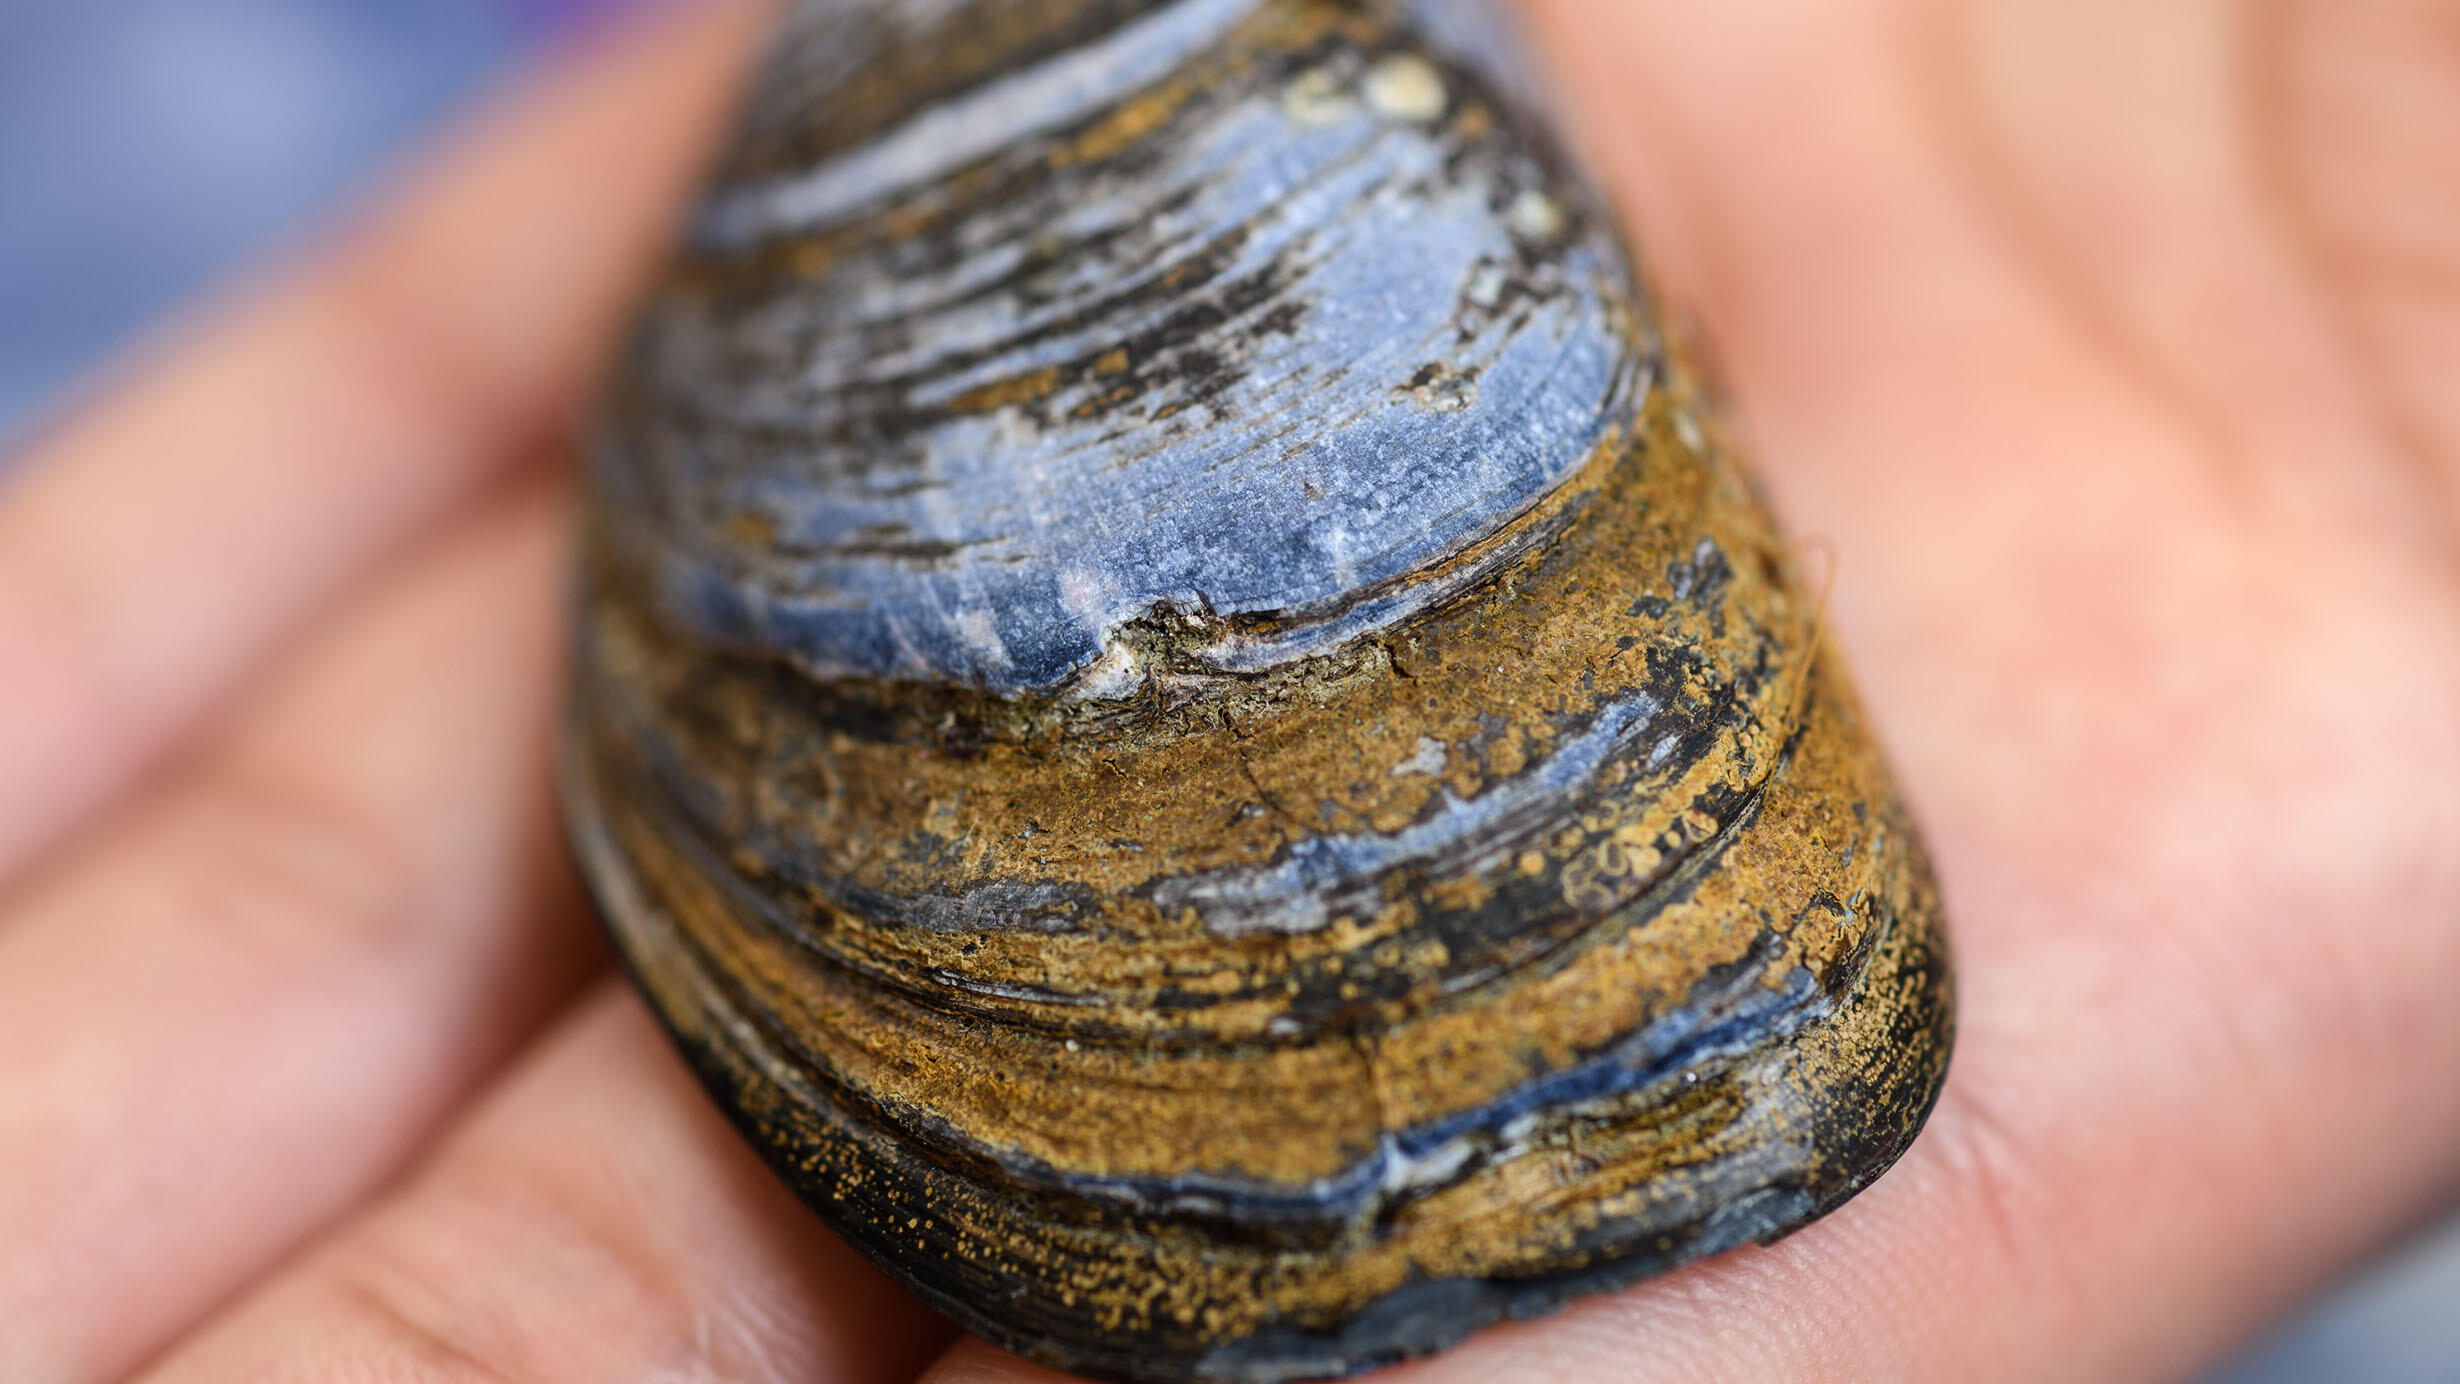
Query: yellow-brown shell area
{"type": "Point", "coordinates": [1282, 1021]}
{"type": "Point", "coordinates": [1136, 1043]}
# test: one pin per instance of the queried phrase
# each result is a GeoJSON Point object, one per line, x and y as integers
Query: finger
{"type": "Point", "coordinates": [238, 1009]}
{"type": "Point", "coordinates": [2244, 187]}
{"type": "Point", "coordinates": [594, 1220]}
{"type": "Point", "coordinates": [183, 522]}
{"type": "Point", "coordinates": [2367, 179]}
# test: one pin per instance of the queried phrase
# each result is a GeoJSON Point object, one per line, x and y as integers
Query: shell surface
{"type": "Point", "coordinates": [1183, 713]}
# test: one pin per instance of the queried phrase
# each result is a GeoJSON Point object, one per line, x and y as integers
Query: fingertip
{"type": "Point", "coordinates": [972, 1360]}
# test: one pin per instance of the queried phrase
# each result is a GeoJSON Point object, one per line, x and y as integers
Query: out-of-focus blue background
{"type": "Point", "coordinates": [2398, 1323]}
{"type": "Point", "coordinates": [148, 147]}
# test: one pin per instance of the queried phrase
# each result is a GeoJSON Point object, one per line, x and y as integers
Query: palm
{"type": "Point", "coordinates": [2103, 341]}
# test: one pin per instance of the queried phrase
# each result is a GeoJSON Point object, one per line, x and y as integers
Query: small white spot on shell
{"type": "Point", "coordinates": [1687, 428]}
{"type": "Point", "coordinates": [1428, 760]}
{"type": "Point", "coordinates": [1486, 286]}
{"type": "Point", "coordinates": [1406, 87]}
{"type": "Point", "coordinates": [1315, 97]}
{"type": "Point", "coordinates": [1534, 216]}
{"type": "Point", "coordinates": [1116, 674]}
{"type": "Point", "coordinates": [981, 632]}
{"type": "Point", "coordinates": [1446, 392]}
{"type": "Point", "coordinates": [1403, 1171]}
{"type": "Point", "coordinates": [1085, 591]}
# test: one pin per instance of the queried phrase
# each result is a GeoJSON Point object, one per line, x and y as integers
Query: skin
{"type": "Point", "coordinates": [2107, 346]}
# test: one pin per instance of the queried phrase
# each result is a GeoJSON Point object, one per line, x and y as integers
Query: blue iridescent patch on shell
{"type": "Point", "coordinates": [1262, 376]}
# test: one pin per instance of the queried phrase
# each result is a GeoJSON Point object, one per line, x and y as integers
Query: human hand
{"type": "Point", "coordinates": [2103, 341]}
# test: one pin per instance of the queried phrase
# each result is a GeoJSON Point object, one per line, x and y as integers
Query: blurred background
{"type": "Point", "coordinates": [151, 147]}
{"type": "Point", "coordinates": [148, 146]}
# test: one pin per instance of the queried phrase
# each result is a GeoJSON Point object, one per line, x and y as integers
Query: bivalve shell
{"type": "Point", "coordinates": [1182, 709]}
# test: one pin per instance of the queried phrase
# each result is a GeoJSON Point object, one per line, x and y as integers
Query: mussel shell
{"type": "Point", "coordinates": [1183, 712]}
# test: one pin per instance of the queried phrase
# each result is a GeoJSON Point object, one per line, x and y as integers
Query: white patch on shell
{"type": "Point", "coordinates": [1113, 677]}
{"type": "Point", "coordinates": [981, 632]}
{"type": "Point", "coordinates": [1687, 428]}
{"type": "Point", "coordinates": [1086, 594]}
{"type": "Point", "coordinates": [1404, 1172]}
{"type": "Point", "coordinates": [1117, 672]}
{"type": "Point", "coordinates": [1486, 286]}
{"type": "Point", "coordinates": [1533, 216]}
{"type": "Point", "coordinates": [1447, 392]}
{"type": "Point", "coordinates": [1316, 97]}
{"type": "Point", "coordinates": [1429, 759]}
{"type": "Point", "coordinates": [1406, 87]}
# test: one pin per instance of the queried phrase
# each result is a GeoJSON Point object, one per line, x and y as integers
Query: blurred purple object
{"type": "Point", "coordinates": [151, 147]}
{"type": "Point", "coordinates": [555, 18]}
{"type": "Point", "coordinates": [2395, 1323]}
